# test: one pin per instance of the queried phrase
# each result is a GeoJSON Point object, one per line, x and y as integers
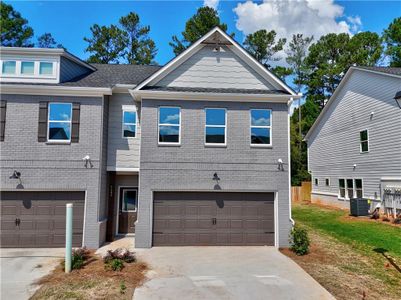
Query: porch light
{"type": "Point", "coordinates": [216, 177]}
{"type": "Point", "coordinates": [397, 98]}
{"type": "Point", "coordinates": [280, 165]}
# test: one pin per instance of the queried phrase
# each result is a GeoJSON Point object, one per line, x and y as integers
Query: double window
{"type": "Point", "coordinates": [215, 126]}
{"type": "Point", "coordinates": [59, 122]}
{"type": "Point", "coordinates": [169, 125]}
{"type": "Point", "coordinates": [261, 127]}
{"type": "Point", "coordinates": [364, 141]}
{"type": "Point", "coordinates": [350, 188]}
{"type": "Point", "coordinates": [129, 123]}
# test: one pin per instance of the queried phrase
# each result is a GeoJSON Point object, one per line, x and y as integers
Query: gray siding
{"type": "Point", "coordinates": [49, 166]}
{"type": "Point", "coordinates": [70, 70]}
{"type": "Point", "coordinates": [209, 69]}
{"type": "Point", "coordinates": [190, 167]}
{"type": "Point", "coordinates": [122, 152]}
{"type": "Point", "coordinates": [334, 146]}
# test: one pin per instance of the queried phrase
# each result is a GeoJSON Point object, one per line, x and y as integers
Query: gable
{"type": "Point", "coordinates": [208, 68]}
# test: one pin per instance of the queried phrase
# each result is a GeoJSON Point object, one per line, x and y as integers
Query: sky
{"type": "Point", "coordinates": [69, 21]}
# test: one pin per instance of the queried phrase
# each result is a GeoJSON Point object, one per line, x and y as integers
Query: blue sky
{"type": "Point", "coordinates": [69, 22]}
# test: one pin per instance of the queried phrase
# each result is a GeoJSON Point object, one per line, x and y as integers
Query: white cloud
{"type": "Point", "coordinates": [211, 3]}
{"type": "Point", "coordinates": [287, 17]}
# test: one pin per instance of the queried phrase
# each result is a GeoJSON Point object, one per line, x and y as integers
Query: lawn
{"type": "Point", "coordinates": [352, 258]}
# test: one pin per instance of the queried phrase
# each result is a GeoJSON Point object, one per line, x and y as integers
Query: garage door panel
{"type": "Point", "coordinates": [214, 218]}
{"type": "Point", "coordinates": [42, 218]}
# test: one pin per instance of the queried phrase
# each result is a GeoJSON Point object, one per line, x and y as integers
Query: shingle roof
{"type": "Point", "coordinates": [386, 70]}
{"type": "Point", "coordinates": [216, 90]}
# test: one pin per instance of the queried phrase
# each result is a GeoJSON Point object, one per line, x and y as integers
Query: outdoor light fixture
{"type": "Point", "coordinates": [354, 166]}
{"type": "Point", "coordinates": [216, 177]}
{"type": "Point", "coordinates": [16, 175]}
{"type": "Point", "coordinates": [88, 162]}
{"type": "Point", "coordinates": [280, 165]}
{"type": "Point", "coordinates": [397, 98]}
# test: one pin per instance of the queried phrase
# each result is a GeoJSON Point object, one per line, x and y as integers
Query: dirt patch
{"type": "Point", "coordinates": [381, 220]}
{"type": "Point", "coordinates": [93, 281]}
{"type": "Point", "coordinates": [346, 273]}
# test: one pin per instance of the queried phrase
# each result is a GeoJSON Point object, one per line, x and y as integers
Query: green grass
{"type": "Point", "coordinates": [363, 235]}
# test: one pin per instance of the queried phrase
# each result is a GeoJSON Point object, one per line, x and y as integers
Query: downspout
{"type": "Point", "coordinates": [289, 162]}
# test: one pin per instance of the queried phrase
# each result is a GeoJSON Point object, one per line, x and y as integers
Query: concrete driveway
{"type": "Point", "coordinates": [225, 273]}
{"type": "Point", "coordinates": [20, 268]}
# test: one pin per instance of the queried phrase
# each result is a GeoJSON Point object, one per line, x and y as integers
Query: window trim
{"type": "Point", "coordinates": [363, 194]}
{"type": "Point", "coordinates": [164, 124]}
{"type": "Point", "coordinates": [52, 141]}
{"type": "Point", "coordinates": [121, 195]}
{"type": "Point", "coordinates": [9, 74]}
{"type": "Point", "coordinates": [360, 141]}
{"type": "Point", "coordinates": [353, 188]}
{"type": "Point", "coordinates": [45, 75]}
{"type": "Point", "coordinates": [20, 68]}
{"type": "Point", "coordinates": [316, 181]}
{"type": "Point", "coordinates": [345, 189]}
{"type": "Point", "coordinates": [327, 182]}
{"type": "Point", "coordinates": [123, 123]}
{"type": "Point", "coordinates": [220, 126]}
{"type": "Point", "coordinates": [264, 126]}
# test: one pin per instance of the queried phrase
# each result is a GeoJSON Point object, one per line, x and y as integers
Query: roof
{"type": "Point", "coordinates": [216, 90]}
{"type": "Point", "coordinates": [106, 75]}
{"type": "Point", "coordinates": [216, 35]}
{"type": "Point", "coordinates": [390, 71]}
{"type": "Point", "coordinates": [385, 70]}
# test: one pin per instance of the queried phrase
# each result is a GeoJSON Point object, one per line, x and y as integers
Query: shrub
{"type": "Point", "coordinates": [123, 287]}
{"type": "Point", "coordinates": [78, 257]}
{"type": "Point", "coordinates": [299, 240]}
{"type": "Point", "coordinates": [120, 253]}
{"type": "Point", "coordinates": [397, 220]}
{"type": "Point", "coordinates": [114, 264]}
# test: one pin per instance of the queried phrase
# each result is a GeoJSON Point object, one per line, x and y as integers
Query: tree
{"type": "Point", "coordinates": [392, 39]}
{"type": "Point", "coordinates": [140, 49]}
{"type": "Point", "coordinates": [46, 40]}
{"type": "Point", "coordinates": [14, 29]}
{"type": "Point", "coordinates": [365, 49]}
{"type": "Point", "coordinates": [107, 44]}
{"type": "Point", "coordinates": [197, 26]}
{"type": "Point", "coordinates": [262, 45]}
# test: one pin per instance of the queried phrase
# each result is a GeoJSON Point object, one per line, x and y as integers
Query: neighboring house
{"type": "Point", "coordinates": [192, 153]}
{"type": "Point", "coordinates": [354, 147]}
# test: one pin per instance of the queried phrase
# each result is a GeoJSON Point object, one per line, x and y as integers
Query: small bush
{"type": "Point", "coordinates": [78, 257]}
{"type": "Point", "coordinates": [299, 240]}
{"type": "Point", "coordinates": [123, 287]}
{"type": "Point", "coordinates": [397, 220]}
{"type": "Point", "coordinates": [114, 264]}
{"type": "Point", "coordinates": [120, 253]}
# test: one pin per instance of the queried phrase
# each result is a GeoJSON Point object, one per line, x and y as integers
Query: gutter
{"type": "Point", "coordinates": [54, 90]}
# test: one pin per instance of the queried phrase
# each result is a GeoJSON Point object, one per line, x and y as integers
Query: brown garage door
{"type": "Point", "coordinates": [213, 218]}
{"type": "Point", "coordinates": [37, 219]}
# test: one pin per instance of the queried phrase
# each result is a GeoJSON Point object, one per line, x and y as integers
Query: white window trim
{"type": "Point", "coordinates": [325, 180]}
{"type": "Point", "coordinates": [121, 197]}
{"type": "Point", "coordinates": [34, 68]}
{"type": "Point", "coordinates": [9, 74]}
{"type": "Point", "coordinates": [363, 194]}
{"type": "Point", "coordinates": [220, 126]}
{"type": "Point", "coordinates": [164, 124]}
{"type": "Point", "coordinates": [353, 188]}
{"type": "Point", "coordinates": [316, 181]}
{"type": "Point", "coordinates": [345, 189]}
{"type": "Point", "coordinates": [136, 123]}
{"type": "Point", "coordinates": [264, 126]}
{"type": "Point", "coordinates": [360, 141]}
{"type": "Point", "coordinates": [48, 124]}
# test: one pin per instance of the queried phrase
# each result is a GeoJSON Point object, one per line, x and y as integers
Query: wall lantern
{"type": "Point", "coordinates": [280, 165]}
{"type": "Point", "coordinates": [397, 98]}
{"type": "Point", "coordinates": [16, 175]}
{"type": "Point", "coordinates": [216, 177]}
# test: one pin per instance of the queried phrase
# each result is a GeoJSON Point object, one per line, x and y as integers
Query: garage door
{"type": "Point", "coordinates": [37, 219]}
{"type": "Point", "coordinates": [213, 218]}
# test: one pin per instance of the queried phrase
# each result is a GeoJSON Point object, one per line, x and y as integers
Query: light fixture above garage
{"type": "Point", "coordinates": [216, 177]}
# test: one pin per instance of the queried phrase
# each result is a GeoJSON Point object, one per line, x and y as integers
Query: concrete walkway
{"type": "Point", "coordinates": [21, 268]}
{"type": "Point", "coordinates": [225, 273]}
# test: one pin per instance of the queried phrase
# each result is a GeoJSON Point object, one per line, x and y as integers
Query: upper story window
{"type": "Point", "coordinates": [27, 67]}
{"type": "Point", "coordinates": [215, 126]}
{"type": "Point", "coordinates": [129, 123]}
{"type": "Point", "coordinates": [9, 67]}
{"type": "Point", "coordinates": [169, 125]}
{"type": "Point", "coordinates": [45, 68]}
{"type": "Point", "coordinates": [364, 141]}
{"type": "Point", "coordinates": [59, 122]}
{"type": "Point", "coordinates": [261, 126]}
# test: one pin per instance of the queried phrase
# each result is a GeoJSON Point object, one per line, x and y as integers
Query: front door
{"type": "Point", "coordinates": [127, 214]}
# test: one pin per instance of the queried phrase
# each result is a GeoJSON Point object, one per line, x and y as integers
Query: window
{"type": "Point", "coordinates": [215, 128]}
{"type": "Point", "coordinates": [45, 68]}
{"type": "Point", "coordinates": [316, 181]}
{"type": "Point", "coordinates": [327, 181]}
{"type": "Point", "coordinates": [341, 186]}
{"type": "Point", "coordinates": [8, 67]}
{"type": "Point", "coordinates": [129, 124]}
{"type": "Point", "coordinates": [364, 139]}
{"type": "Point", "coordinates": [27, 67]}
{"type": "Point", "coordinates": [128, 199]}
{"type": "Point", "coordinates": [358, 188]}
{"type": "Point", "coordinates": [59, 122]}
{"type": "Point", "coordinates": [169, 125]}
{"type": "Point", "coordinates": [350, 188]}
{"type": "Point", "coordinates": [260, 127]}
